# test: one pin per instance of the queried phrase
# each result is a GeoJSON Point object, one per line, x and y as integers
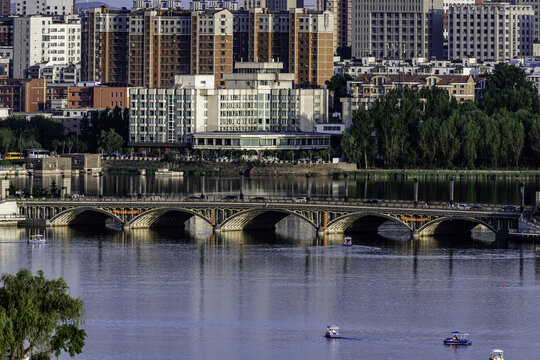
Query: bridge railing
{"type": "Point", "coordinates": [314, 200]}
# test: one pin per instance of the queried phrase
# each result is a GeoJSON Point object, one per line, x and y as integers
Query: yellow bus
{"type": "Point", "coordinates": [13, 156]}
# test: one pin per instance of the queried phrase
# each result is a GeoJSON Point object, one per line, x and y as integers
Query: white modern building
{"type": "Point", "coordinates": [397, 29]}
{"type": "Point", "coordinates": [490, 32]}
{"type": "Point", "coordinates": [45, 42]}
{"type": "Point", "coordinates": [56, 8]}
{"type": "Point", "coordinates": [446, 7]}
{"type": "Point", "coordinates": [256, 98]}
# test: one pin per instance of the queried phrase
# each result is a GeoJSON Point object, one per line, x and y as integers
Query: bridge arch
{"type": "Point", "coordinates": [361, 222]}
{"type": "Point", "coordinates": [83, 215]}
{"type": "Point", "coordinates": [260, 218]}
{"type": "Point", "coordinates": [169, 216]}
{"type": "Point", "coordinates": [452, 225]}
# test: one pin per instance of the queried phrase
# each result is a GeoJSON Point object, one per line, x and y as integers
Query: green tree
{"type": "Point", "coordinates": [392, 131]}
{"type": "Point", "coordinates": [356, 143]}
{"type": "Point", "coordinates": [509, 89]}
{"type": "Point", "coordinates": [43, 317]}
{"type": "Point", "coordinates": [110, 141]}
{"type": "Point", "coordinates": [337, 85]}
{"type": "Point", "coordinates": [7, 140]}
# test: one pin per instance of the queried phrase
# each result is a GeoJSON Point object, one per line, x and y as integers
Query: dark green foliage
{"type": "Point", "coordinates": [427, 129]}
{"type": "Point", "coordinates": [337, 85]}
{"type": "Point", "coordinates": [38, 315]}
{"type": "Point", "coordinates": [92, 127]}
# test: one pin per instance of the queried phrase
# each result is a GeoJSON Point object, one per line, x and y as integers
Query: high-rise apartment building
{"type": "Point", "coordinates": [159, 47]}
{"type": "Point", "coordinates": [157, 4]}
{"type": "Point", "coordinates": [311, 46]}
{"type": "Point", "coordinates": [342, 20]}
{"type": "Point", "coordinates": [42, 40]}
{"type": "Point", "coordinates": [56, 8]}
{"type": "Point", "coordinates": [213, 4]}
{"type": "Point", "coordinates": [536, 6]}
{"type": "Point", "coordinates": [6, 31]}
{"type": "Point", "coordinates": [212, 44]}
{"type": "Point", "coordinates": [147, 48]}
{"type": "Point", "coordinates": [105, 35]}
{"type": "Point", "coordinates": [397, 29]}
{"type": "Point", "coordinates": [273, 5]}
{"type": "Point", "coordinates": [5, 7]}
{"type": "Point", "coordinates": [302, 40]}
{"type": "Point", "coordinates": [446, 7]}
{"type": "Point", "coordinates": [490, 32]}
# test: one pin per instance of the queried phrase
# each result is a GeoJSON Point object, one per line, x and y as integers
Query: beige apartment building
{"type": "Point", "coordinates": [490, 32]}
{"type": "Point", "coordinates": [212, 44]}
{"type": "Point", "coordinates": [397, 29]}
{"type": "Point", "coordinates": [159, 46]}
{"type": "Point", "coordinates": [342, 20]}
{"type": "Point", "coordinates": [147, 48]}
{"type": "Point", "coordinates": [104, 55]}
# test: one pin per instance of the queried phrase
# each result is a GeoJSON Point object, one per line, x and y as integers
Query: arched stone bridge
{"type": "Point", "coordinates": [221, 215]}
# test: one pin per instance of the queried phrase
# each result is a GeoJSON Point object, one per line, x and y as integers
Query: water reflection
{"type": "Point", "coordinates": [473, 190]}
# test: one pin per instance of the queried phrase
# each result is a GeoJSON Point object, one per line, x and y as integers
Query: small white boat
{"type": "Point", "coordinates": [496, 354]}
{"type": "Point", "coordinates": [37, 239]}
{"type": "Point", "coordinates": [347, 241]}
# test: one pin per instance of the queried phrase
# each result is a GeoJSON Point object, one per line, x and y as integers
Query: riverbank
{"type": "Point", "coordinates": [404, 174]}
{"type": "Point", "coordinates": [231, 168]}
{"type": "Point", "coordinates": [324, 169]}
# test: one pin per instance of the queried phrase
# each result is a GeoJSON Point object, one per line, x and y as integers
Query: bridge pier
{"type": "Point", "coordinates": [216, 228]}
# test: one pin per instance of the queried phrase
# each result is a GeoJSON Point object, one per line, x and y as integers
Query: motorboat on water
{"type": "Point", "coordinates": [332, 332]}
{"type": "Point", "coordinates": [496, 354]}
{"type": "Point", "coordinates": [458, 338]}
{"type": "Point", "coordinates": [347, 241]}
{"type": "Point", "coordinates": [37, 239]}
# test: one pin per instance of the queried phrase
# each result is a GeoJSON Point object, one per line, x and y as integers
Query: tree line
{"type": "Point", "coordinates": [102, 131]}
{"type": "Point", "coordinates": [429, 129]}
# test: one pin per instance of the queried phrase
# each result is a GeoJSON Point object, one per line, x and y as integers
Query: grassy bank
{"type": "Point", "coordinates": [422, 173]}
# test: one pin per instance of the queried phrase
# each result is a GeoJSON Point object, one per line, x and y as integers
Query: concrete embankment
{"type": "Point", "coordinates": [273, 169]}
{"type": "Point", "coordinates": [230, 168]}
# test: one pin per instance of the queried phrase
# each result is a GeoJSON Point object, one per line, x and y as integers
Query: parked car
{"type": "Point", "coordinates": [463, 207]}
{"type": "Point", "coordinates": [301, 199]}
{"type": "Point", "coordinates": [373, 201]}
{"type": "Point", "coordinates": [303, 160]}
{"type": "Point", "coordinates": [199, 198]}
{"type": "Point", "coordinates": [477, 207]}
{"type": "Point", "coordinates": [230, 197]}
{"type": "Point", "coordinates": [510, 208]}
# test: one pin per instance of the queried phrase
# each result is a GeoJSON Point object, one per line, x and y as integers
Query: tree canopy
{"type": "Point", "coordinates": [429, 129]}
{"type": "Point", "coordinates": [39, 317]}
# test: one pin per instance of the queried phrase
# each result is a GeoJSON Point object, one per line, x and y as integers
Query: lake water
{"type": "Point", "coordinates": [189, 294]}
{"type": "Point", "coordinates": [174, 294]}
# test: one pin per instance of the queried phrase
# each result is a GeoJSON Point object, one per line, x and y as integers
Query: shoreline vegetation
{"type": "Point", "coordinates": [265, 169]}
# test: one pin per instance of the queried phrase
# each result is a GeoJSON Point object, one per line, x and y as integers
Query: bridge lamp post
{"type": "Point", "coordinates": [202, 184]}
{"type": "Point", "coordinates": [242, 185]}
{"type": "Point", "coordinates": [415, 192]}
{"type": "Point", "coordinates": [521, 196]}
{"type": "Point", "coordinates": [346, 175]}
{"type": "Point", "coordinates": [451, 191]}
{"type": "Point", "coordinates": [308, 187]}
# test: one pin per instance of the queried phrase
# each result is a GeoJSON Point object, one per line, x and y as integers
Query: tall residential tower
{"type": "Point", "coordinates": [397, 29]}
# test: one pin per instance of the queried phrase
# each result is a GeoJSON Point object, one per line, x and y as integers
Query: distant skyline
{"type": "Point", "coordinates": [185, 3]}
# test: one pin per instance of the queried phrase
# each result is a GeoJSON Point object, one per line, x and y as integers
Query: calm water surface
{"type": "Point", "coordinates": [175, 294]}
